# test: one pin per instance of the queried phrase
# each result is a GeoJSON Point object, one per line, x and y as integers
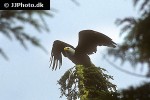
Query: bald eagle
{"type": "Point", "coordinates": [87, 44]}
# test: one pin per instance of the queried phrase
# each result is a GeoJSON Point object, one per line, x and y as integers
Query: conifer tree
{"type": "Point", "coordinates": [87, 83]}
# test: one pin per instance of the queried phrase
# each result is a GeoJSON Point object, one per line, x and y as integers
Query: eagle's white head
{"type": "Point", "coordinates": [69, 51]}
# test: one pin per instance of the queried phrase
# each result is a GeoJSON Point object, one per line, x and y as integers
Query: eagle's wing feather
{"type": "Point", "coordinates": [89, 40]}
{"type": "Point", "coordinates": [56, 53]}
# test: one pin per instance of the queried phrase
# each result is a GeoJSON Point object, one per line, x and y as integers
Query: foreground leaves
{"type": "Point", "coordinates": [136, 45]}
{"type": "Point", "coordinates": [136, 92]}
{"type": "Point", "coordinates": [12, 26]}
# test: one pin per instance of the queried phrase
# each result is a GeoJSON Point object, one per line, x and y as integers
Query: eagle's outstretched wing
{"type": "Point", "coordinates": [89, 40]}
{"type": "Point", "coordinates": [56, 53]}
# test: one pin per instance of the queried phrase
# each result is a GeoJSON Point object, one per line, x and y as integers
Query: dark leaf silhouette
{"type": "Point", "coordinates": [136, 45]}
{"type": "Point", "coordinates": [12, 25]}
{"type": "Point", "coordinates": [136, 93]}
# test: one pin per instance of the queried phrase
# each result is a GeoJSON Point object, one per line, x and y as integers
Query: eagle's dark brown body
{"type": "Point", "coordinates": [81, 59]}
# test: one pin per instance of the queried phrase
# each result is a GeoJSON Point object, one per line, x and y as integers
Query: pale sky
{"type": "Point", "coordinates": [27, 76]}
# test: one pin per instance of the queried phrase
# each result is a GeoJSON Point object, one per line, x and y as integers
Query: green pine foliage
{"type": "Point", "coordinates": [87, 83]}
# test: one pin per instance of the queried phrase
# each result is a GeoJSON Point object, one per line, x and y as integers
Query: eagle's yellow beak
{"type": "Point", "coordinates": [65, 49]}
